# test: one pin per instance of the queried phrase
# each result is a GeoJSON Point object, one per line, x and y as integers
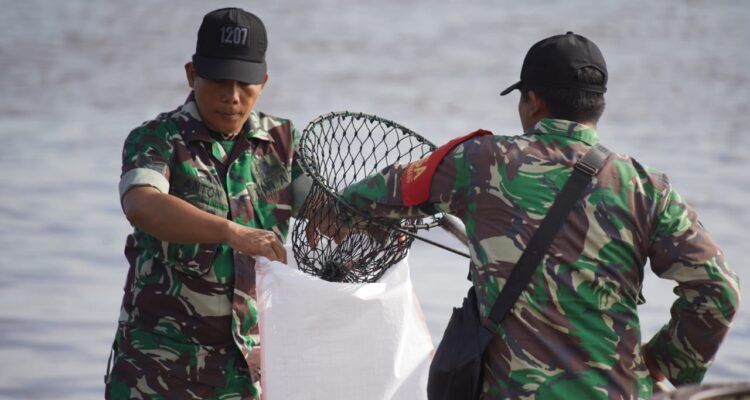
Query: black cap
{"type": "Point", "coordinates": [231, 45]}
{"type": "Point", "coordinates": [555, 62]}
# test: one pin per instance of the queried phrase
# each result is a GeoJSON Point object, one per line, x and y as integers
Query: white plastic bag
{"type": "Point", "coordinates": [324, 340]}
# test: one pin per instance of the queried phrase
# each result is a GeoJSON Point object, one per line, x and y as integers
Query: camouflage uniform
{"type": "Point", "coordinates": [189, 318]}
{"type": "Point", "coordinates": [574, 332]}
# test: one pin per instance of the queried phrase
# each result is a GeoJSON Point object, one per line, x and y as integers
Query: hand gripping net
{"type": "Point", "coordinates": [337, 150]}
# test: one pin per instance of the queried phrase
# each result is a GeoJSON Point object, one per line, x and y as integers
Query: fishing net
{"type": "Point", "coordinates": [337, 150]}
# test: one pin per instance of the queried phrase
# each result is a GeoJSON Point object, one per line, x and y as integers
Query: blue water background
{"type": "Point", "coordinates": [78, 75]}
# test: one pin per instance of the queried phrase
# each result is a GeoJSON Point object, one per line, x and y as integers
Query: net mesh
{"type": "Point", "coordinates": [337, 150]}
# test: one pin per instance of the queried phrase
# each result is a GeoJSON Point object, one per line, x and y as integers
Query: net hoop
{"type": "Point", "coordinates": [306, 152]}
{"type": "Point", "coordinates": [336, 150]}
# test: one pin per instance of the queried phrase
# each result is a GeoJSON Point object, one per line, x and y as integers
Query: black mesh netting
{"type": "Point", "coordinates": [336, 150]}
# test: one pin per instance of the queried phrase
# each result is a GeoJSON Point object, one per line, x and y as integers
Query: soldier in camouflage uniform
{"type": "Point", "coordinates": [207, 187]}
{"type": "Point", "coordinates": [574, 332]}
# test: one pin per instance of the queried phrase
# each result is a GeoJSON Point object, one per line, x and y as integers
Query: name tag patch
{"type": "Point", "coordinates": [270, 176]}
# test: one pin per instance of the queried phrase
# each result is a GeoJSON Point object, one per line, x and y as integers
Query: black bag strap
{"type": "Point", "coordinates": [583, 172]}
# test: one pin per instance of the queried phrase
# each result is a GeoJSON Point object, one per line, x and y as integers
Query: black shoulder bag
{"type": "Point", "coordinates": [456, 369]}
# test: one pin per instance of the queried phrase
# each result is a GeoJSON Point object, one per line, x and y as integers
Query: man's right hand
{"type": "Point", "coordinates": [255, 242]}
{"type": "Point", "coordinates": [324, 222]}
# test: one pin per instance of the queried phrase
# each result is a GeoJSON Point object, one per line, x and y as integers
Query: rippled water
{"type": "Point", "coordinates": [78, 75]}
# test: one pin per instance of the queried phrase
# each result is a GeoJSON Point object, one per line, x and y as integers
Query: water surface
{"type": "Point", "coordinates": [78, 75]}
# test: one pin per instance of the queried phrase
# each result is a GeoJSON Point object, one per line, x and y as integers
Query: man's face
{"type": "Point", "coordinates": [224, 105]}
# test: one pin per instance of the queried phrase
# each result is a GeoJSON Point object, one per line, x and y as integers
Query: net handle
{"type": "Point", "coordinates": [451, 225]}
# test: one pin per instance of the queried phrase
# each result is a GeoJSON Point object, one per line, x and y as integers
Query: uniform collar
{"type": "Point", "coordinates": [192, 126]}
{"type": "Point", "coordinates": [258, 127]}
{"type": "Point", "coordinates": [571, 129]}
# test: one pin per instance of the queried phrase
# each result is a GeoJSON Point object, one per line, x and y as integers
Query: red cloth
{"type": "Point", "coordinates": [417, 178]}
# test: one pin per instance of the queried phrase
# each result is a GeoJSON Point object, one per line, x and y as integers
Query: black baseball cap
{"type": "Point", "coordinates": [555, 62]}
{"type": "Point", "coordinates": [231, 45]}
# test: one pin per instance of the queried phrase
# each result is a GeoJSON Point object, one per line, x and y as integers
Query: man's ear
{"type": "Point", "coordinates": [265, 80]}
{"type": "Point", "coordinates": [190, 73]}
{"type": "Point", "coordinates": [538, 107]}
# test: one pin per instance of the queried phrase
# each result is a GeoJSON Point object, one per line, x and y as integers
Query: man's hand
{"type": "Point", "coordinates": [324, 222]}
{"type": "Point", "coordinates": [653, 367]}
{"type": "Point", "coordinates": [255, 242]}
{"type": "Point", "coordinates": [172, 219]}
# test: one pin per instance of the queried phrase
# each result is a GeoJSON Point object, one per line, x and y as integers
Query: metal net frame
{"type": "Point", "coordinates": [337, 150]}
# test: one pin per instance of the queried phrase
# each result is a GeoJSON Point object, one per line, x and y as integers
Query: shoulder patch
{"type": "Point", "coordinates": [417, 177]}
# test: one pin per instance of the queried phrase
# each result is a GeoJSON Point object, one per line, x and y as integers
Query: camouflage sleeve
{"type": "Point", "coordinates": [708, 292]}
{"type": "Point", "coordinates": [381, 194]}
{"type": "Point", "coordinates": [301, 182]}
{"type": "Point", "coordinates": [145, 160]}
{"type": "Point", "coordinates": [296, 168]}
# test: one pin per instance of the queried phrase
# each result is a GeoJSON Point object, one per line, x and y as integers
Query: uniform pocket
{"type": "Point", "coordinates": [201, 192]}
{"type": "Point", "coordinates": [270, 176]}
{"type": "Point", "coordinates": [192, 259]}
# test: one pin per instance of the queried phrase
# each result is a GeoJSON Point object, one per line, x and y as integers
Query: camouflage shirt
{"type": "Point", "coordinates": [574, 331]}
{"type": "Point", "coordinates": [190, 309]}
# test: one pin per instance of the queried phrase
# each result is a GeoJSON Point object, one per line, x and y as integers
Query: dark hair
{"type": "Point", "coordinates": [573, 104]}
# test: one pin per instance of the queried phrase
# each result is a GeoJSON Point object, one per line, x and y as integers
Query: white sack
{"type": "Point", "coordinates": [324, 340]}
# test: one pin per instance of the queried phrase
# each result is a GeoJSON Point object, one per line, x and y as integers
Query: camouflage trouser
{"type": "Point", "coordinates": [129, 380]}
